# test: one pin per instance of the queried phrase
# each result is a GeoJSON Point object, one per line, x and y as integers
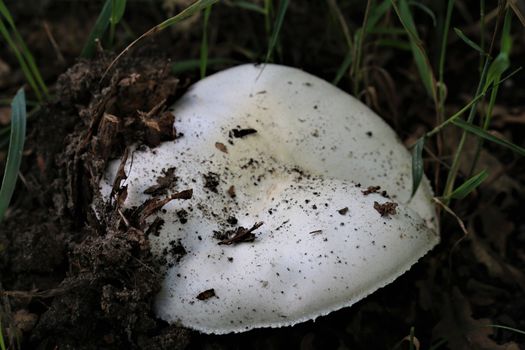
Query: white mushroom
{"type": "Point", "coordinates": [281, 147]}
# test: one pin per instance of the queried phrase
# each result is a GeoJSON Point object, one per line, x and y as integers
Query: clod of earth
{"type": "Point", "coordinates": [298, 156]}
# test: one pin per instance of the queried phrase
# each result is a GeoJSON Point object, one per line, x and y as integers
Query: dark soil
{"type": "Point", "coordinates": [70, 280]}
{"type": "Point", "coordinates": [98, 276]}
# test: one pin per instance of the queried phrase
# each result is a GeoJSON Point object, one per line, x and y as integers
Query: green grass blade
{"type": "Point", "coordinates": [100, 27]}
{"type": "Point", "coordinates": [468, 186]}
{"type": "Point", "coordinates": [417, 164]}
{"type": "Point", "coordinates": [16, 147]}
{"type": "Point", "coordinates": [376, 13]}
{"type": "Point", "coordinates": [454, 166]}
{"type": "Point", "coordinates": [246, 5]}
{"type": "Point", "coordinates": [425, 9]}
{"type": "Point", "coordinates": [4, 11]}
{"type": "Point", "coordinates": [192, 65]}
{"type": "Point", "coordinates": [420, 57]}
{"type": "Point", "coordinates": [506, 37]}
{"type": "Point", "coordinates": [24, 57]}
{"type": "Point", "coordinates": [359, 39]}
{"type": "Point", "coordinates": [21, 60]}
{"type": "Point", "coordinates": [441, 63]}
{"type": "Point", "coordinates": [343, 68]}
{"type": "Point", "coordinates": [204, 42]}
{"type": "Point", "coordinates": [31, 63]}
{"type": "Point", "coordinates": [469, 42]}
{"type": "Point", "coordinates": [281, 11]}
{"type": "Point", "coordinates": [268, 11]}
{"type": "Point", "coordinates": [30, 60]}
{"type": "Point", "coordinates": [2, 342]}
{"type": "Point", "coordinates": [455, 116]}
{"type": "Point", "coordinates": [496, 69]}
{"type": "Point", "coordinates": [118, 7]}
{"type": "Point", "coordinates": [502, 61]}
{"type": "Point", "coordinates": [117, 11]}
{"type": "Point", "coordinates": [476, 130]}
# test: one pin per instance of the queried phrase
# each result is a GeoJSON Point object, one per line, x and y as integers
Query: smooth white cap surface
{"type": "Point", "coordinates": [299, 153]}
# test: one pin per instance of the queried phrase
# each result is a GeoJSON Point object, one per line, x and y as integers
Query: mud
{"type": "Point", "coordinates": [74, 280]}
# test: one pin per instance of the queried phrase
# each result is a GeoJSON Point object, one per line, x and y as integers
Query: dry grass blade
{"type": "Point", "coordinates": [187, 12]}
{"type": "Point", "coordinates": [451, 212]}
{"type": "Point", "coordinates": [518, 6]}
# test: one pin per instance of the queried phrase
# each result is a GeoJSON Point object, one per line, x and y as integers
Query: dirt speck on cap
{"type": "Point", "coordinates": [386, 209]}
{"type": "Point", "coordinates": [231, 191]}
{"type": "Point", "coordinates": [207, 294]}
{"type": "Point", "coordinates": [238, 235]}
{"type": "Point", "coordinates": [371, 189]}
{"type": "Point", "coordinates": [239, 133]}
{"type": "Point", "coordinates": [221, 147]}
{"type": "Point", "coordinates": [211, 181]}
{"type": "Point", "coordinates": [343, 211]}
{"type": "Point", "coordinates": [165, 182]}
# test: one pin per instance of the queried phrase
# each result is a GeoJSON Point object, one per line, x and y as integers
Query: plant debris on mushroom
{"type": "Point", "coordinates": [278, 146]}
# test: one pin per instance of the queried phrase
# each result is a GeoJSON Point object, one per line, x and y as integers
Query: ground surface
{"type": "Point", "coordinates": [71, 281]}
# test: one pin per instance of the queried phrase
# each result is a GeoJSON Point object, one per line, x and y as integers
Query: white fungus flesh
{"type": "Point", "coordinates": [278, 146]}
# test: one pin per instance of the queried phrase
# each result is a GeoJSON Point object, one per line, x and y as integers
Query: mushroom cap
{"type": "Point", "coordinates": [277, 145]}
